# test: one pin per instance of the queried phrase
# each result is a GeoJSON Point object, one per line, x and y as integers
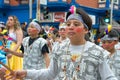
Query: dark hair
{"type": "Point", "coordinates": [87, 20]}
{"type": "Point", "coordinates": [113, 33]}
{"type": "Point", "coordinates": [87, 37]}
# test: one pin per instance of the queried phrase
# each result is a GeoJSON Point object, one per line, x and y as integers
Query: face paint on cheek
{"type": "Point", "coordinates": [109, 45]}
{"type": "Point", "coordinates": [78, 30]}
{"type": "Point", "coordinates": [104, 46]}
{"type": "Point", "coordinates": [112, 44]}
{"type": "Point", "coordinates": [31, 30]}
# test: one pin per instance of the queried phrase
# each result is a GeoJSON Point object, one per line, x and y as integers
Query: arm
{"type": "Point", "coordinates": [47, 59]}
{"type": "Point", "coordinates": [49, 45]}
{"type": "Point", "coordinates": [45, 52]}
{"type": "Point", "coordinates": [42, 74]}
{"type": "Point", "coordinates": [19, 35]}
{"type": "Point", "coordinates": [45, 74]}
{"type": "Point", "coordinates": [104, 68]}
{"type": "Point", "coordinates": [13, 52]}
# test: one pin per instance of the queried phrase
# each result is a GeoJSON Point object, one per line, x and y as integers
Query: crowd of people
{"type": "Point", "coordinates": [66, 53]}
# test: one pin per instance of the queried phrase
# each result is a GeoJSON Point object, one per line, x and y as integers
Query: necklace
{"type": "Point", "coordinates": [75, 59]}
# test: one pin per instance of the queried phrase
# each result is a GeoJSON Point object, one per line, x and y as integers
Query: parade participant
{"type": "Point", "coordinates": [2, 53]}
{"type": "Point", "coordinates": [77, 59]}
{"type": "Point", "coordinates": [35, 50]}
{"type": "Point", "coordinates": [16, 35]}
{"type": "Point", "coordinates": [58, 36]}
{"type": "Point", "coordinates": [52, 36]}
{"type": "Point", "coordinates": [62, 35]}
{"type": "Point", "coordinates": [2, 57]}
{"type": "Point", "coordinates": [108, 42]}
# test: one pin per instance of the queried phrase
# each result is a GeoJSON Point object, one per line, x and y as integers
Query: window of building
{"type": "Point", "coordinates": [102, 0]}
{"type": "Point", "coordinates": [115, 1]}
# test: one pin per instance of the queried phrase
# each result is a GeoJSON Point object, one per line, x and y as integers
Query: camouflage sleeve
{"type": "Point", "coordinates": [45, 74]}
{"type": "Point", "coordinates": [104, 69]}
{"type": "Point", "coordinates": [105, 72]}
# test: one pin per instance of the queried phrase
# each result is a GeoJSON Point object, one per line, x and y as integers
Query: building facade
{"type": "Point", "coordinates": [57, 9]}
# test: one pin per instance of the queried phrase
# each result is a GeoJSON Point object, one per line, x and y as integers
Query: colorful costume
{"type": "Point", "coordinates": [85, 62]}
{"type": "Point", "coordinates": [3, 59]}
{"type": "Point", "coordinates": [114, 63]}
{"type": "Point", "coordinates": [33, 58]}
{"type": "Point", "coordinates": [15, 63]}
{"type": "Point", "coordinates": [2, 54]}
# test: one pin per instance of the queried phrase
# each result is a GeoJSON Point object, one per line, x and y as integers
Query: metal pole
{"type": "Point", "coordinates": [30, 10]}
{"type": "Point", "coordinates": [38, 10]}
{"type": "Point", "coordinates": [111, 12]}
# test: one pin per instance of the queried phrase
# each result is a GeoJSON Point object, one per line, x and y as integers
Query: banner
{"type": "Point", "coordinates": [59, 17]}
{"type": "Point", "coordinates": [49, 19]}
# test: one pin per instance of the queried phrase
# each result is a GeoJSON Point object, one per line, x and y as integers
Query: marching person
{"type": "Point", "coordinates": [108, 42]}
{"type": "Point", "coordinates": [62, 36]}
{"type": "Point", "coordinates": [35, 50]}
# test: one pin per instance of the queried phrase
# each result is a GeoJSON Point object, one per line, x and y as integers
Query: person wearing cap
{"type": "Point", "coordinates": [108, 42]}
{"type": "Point", "coordinates": [77, 59]}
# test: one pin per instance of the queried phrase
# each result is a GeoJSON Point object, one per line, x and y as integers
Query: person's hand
{"type": "Point", "coordinates": [3, 69]}
{"type": "Point", "coordinates": [16, 75]}
{"type": "Point", "coordinates": [9, 56]}
{"type": "Point", "coordinates": [7, 50]}
{"type": "Point", "coordinates": [2, 72]}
